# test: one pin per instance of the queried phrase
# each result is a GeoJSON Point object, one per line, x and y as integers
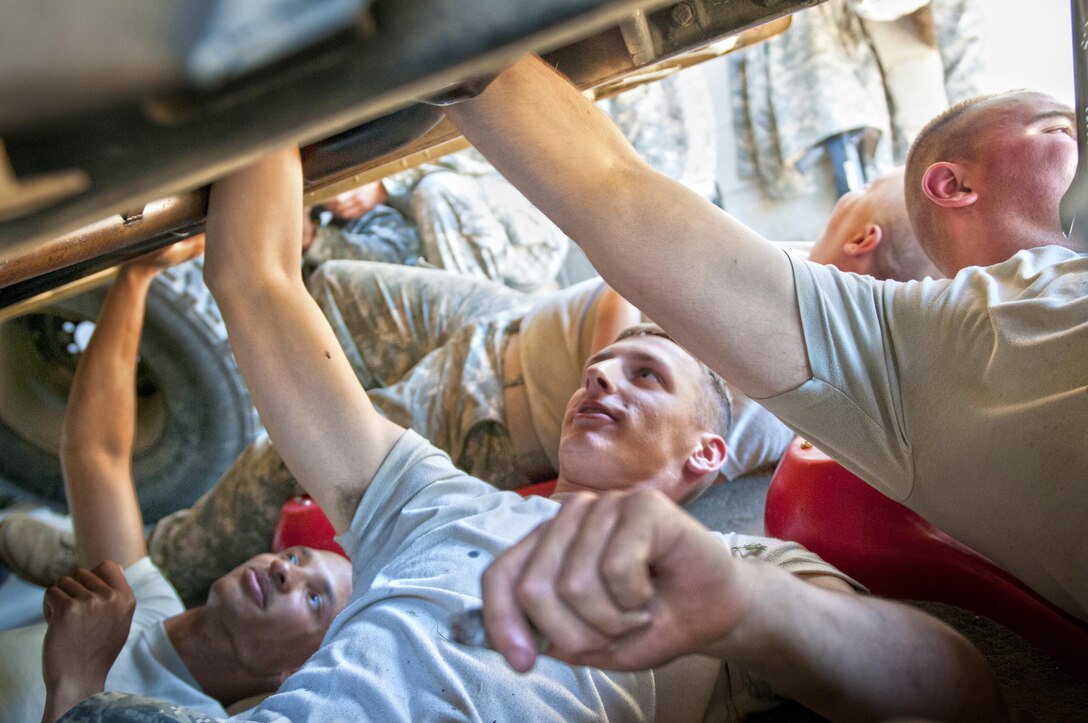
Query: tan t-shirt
{"type": "Point", "coordinates": [966, 399]}
{"type": "Point", "coordinates": [556, 339]}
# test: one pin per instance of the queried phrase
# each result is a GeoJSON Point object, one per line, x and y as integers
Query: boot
{"type": "Point", "coordinates": [36, 551]}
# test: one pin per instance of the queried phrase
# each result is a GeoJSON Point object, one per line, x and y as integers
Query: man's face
{"type": "Point", "coordinates": [277, 607]}
{"type": "Point", "coordinates": [633, 421]}
{"type": "Point", "coordinates": [1026, 158]}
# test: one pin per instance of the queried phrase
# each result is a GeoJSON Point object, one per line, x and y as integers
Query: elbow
{"type": "Point", "coordinates": [975, 693]}
{"type": "Point", "coordinates": [81, 454]}
{"type": "Point", "coordinates": [952, 681]}
{"type": "Point", "coordinates": [262, 284]}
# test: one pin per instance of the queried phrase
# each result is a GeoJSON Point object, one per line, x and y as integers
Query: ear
{"type": "Point", "coordinates": [866, 242]}
{"type": "Point", "coordinates": [708, 457]}
{"type": "Point", "coordinates": [943, 184]}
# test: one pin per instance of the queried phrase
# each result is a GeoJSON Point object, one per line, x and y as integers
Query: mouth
{"type": "Point", "coordinates": [256, 586]}
{"type": "Point", "coordinates": [594, 410]}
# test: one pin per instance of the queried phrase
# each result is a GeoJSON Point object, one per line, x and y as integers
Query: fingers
{"type": "Point", "coordinates": [507, 627]}
{"type": "Point", "coordinates": [111, 574]}
{"type": "Point", "coordinates": [619, 581]}
{"type": "Point", "coordinates": [190, 248]}
{"type": "Point", "coordinates": [561, 578]}
{"type": "Point", "coordinates": [167, 256]}
{"type": "Point", "coordinates": [630, 551]}
{"type": "Point", "coordinates": [107, 581]}
{"type": "Point", "coordinates": [538, 588]}
{"type": "Point", "coordinates": [589, 575]}
{"type": "Point", "coordinates": [53, 600]}
{"type": "Point", "coordinates": [346, 206]}
{"type": "Point", "coordinates": [74, 587]}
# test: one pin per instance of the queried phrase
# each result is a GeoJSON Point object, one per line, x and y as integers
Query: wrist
{"type": "Point", "coordinates": [749, 625]}
{"type": "Point", "coordinates": [62, 696]}
{"type": "Point", "coordinates": [136, 274]}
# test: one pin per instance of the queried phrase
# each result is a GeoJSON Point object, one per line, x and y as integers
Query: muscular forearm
{"type": "Point", "coordinates": [718, 287]}
{"type": "Point", "coordinates": [101, 404]}
{"type": "Point", "coordinates": [852, 657]}
{"type": "Point", "coordinates": [100, 426]}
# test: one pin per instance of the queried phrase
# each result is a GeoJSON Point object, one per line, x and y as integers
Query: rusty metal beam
{"type": "Point", "coordinates": [601, 64]}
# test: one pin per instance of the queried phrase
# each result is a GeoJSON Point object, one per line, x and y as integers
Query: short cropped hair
{"type": "Point", "coordinates": [715, 408]}
{"type": "Point", "coordinates": [950, 136]}
{"type": "Point", "coordinates": [899, 256]}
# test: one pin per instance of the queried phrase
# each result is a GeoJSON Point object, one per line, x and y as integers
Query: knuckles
{"type": "Point", "coordinates": [576, 587]}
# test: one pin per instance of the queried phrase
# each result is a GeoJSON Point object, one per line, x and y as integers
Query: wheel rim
{"type": "Point", "coordinates": [38, 357]}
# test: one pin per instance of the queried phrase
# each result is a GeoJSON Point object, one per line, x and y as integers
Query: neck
{"type": "Point", "coordinates": [205, 646]}
{"type": "Point", "coordinates": [569, 485]}
{"type": "Point", "coordinates": [999, 244]}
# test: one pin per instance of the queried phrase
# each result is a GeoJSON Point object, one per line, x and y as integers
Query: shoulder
{"type": "Point", "coordinates": [156, 598]}
{"type": "Point", "coordinates": [1039, 271]}
{"type": "Point", "coordinates": [792, 557]}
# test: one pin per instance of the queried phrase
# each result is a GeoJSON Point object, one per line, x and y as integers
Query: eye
{"type": "Point", "coordinates": [1064, 128]}
{"type": "Point", "coordinates": [647, 373]}
{"type": "Point", "coordinates": [292, 558]}
{"type": "Point", "coordinates": [314, 599]}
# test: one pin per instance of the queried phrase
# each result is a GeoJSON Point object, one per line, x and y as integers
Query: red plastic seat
{"type": "Point", "coordinates": [302, 522]}
{"type": "Point", "coordinates": [895, 553]}
{"type": "Point", "coordinates": [542, 489]}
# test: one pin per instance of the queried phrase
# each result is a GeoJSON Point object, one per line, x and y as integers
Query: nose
{"type": "Point", "coordinates": [283, 574]}
{"type": "Point", "coordinates": [599, 377]}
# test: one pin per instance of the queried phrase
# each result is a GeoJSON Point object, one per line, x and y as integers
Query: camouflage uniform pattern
{"type": "Point", "coordinates": [482, 226]}
{"type": "Point", "coordinates": [128, 708]}
{"type": "Point", "coordinates": [794, 91]}
{"type": "Point", "coordinates": [958, 29]}
{"type": "Point", "coordinates": [427, 345]}
{"type": "Point", "coordinates": [671, 123]}
{"type": "Point", "coordinates": [822, 77]}
{"type": "Point", "coordinates": [229, 524]}
{"type": "Point", "coordinates": [471, 220]}
{"type": "Point", "coordinates": [383, 234]}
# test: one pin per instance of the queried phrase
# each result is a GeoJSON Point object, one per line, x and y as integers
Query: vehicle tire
{"type": "Point", "coordinates": [193, 411]}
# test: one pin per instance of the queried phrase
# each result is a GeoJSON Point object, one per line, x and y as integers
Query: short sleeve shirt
{"type": "Point", "coordinates": [966, 399]}
{"type": "Point", "coordinates": [419, 541]}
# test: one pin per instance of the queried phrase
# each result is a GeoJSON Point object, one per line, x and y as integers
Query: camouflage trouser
{"type": "Point", "coordinates": [383, 234]}
{"type": "Point", "coordinates": [427, 345]}
{"type": "Point", "coordinates": [671, 124]}
{"type": "Point", "coordinates": [482, 226]}
{"type": "Point", "coordinates": [479, 226]}
{"type": "Point", "coordinates": [126, 708]}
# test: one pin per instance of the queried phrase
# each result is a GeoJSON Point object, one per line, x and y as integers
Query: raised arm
{"type": "Point", "coordinates": [719, 288]}
{"type": "Point", "coordinates": [100, 420]}
{"type": "Point", "coordinates": [630, 581]}
{"type": "Point", "coordinates": [322, 422]}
